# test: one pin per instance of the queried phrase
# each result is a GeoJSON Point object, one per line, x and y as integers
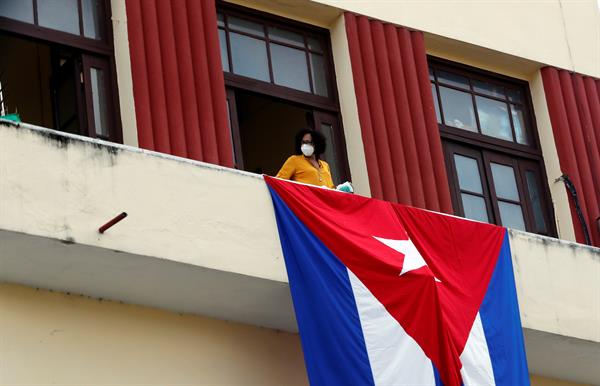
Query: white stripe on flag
{"type": "Point", "coordinates": [477, 365]}
{"type": "Point", "coordinates": [396, 359]}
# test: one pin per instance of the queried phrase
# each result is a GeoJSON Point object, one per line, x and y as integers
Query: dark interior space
{"type": "Point", "coordinates": [41, 82]}
{"type": "Point", "coordinates": [267, 129]}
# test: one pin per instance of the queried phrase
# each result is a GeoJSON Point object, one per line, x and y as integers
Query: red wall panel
{"type": "Point", "coordinates": [574, 107]}
{"type": "Point", "coordinates": [402, 143]}
{"type": "Point", "coordinates": [178, 83]}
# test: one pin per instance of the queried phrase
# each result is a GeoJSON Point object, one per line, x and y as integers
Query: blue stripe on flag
{"type": "Point", "coordinates": [330, 330]}
{"type": "Point", "coordinates": [436, 376]}
{"type": "Point", "coordinates": [502, 324]}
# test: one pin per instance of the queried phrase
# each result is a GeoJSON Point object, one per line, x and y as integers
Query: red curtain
{"type": "Point", "coordinates": [178, 83]}
{"type": "Point", "coordinates": [402, 143]}
{"type": "Point", "coordinates": [574, 107]}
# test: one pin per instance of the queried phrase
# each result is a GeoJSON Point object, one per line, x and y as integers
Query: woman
{"type": "Point", "coordinates": [306, 166]}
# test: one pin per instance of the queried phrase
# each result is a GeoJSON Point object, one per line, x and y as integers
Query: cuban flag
{"type": "Point", "coordinates": [386, 294]}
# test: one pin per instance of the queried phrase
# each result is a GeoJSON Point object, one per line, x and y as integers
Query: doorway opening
{"type": "Point", "coordinates": [280, 78]}
{"type": "Point", "coordinates": [267, 128]}
{"type": "Point", "coordinates": [264, 128]}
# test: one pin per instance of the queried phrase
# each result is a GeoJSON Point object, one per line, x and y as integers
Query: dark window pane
{"type": "Point", "coordinates": [518, 117]}
{"type": "Point", "coordinates": [493, 118]}
{"type": "Point", "coordinates": [220, 20]}
{"type": "Point", "coordinates": [536, 203]}
{"type": "Point", "coordinates": [224, 55]}
{"type": "Point", "coordinates": [249, 57]}
{"type": "Point", "coordinates": [315, 44]}
{"type": "Point", "coordinates": [505, 182]}
{"type": "Point", "coordinates": [515, 95]}
{"type": "Point", "coordinates": [289, 67]}
{"type": "Point", "coordinates": [431, 77]}
{"type": "Point", "coordinates": [453, 79]}
{"type": "Point", "coordinates": [474, 207]}
{"type": "Point", "coordinates": [91, 18]}
{"type": "Point", "coordinates": [468, 174]}
{"type": "Point", "coordinates": [458, 109]}
{"type": "Point", "coordinates": [319, 74]}
{"type": "Point", "coordinates": [330, 152]}
{"type": "Point", "coordinates": [247, 26]}
{"type": "Point", "coordinates": [285, 36]}
{"type": "Point", "coordinates": [511, 215]}
{"type": "Point", "coordinates": [488, 88]}
{"type": "Point", "coordinates": [17, 9]}
{"type": "Point", "coordinates": [99, 101]}
{"type": "Point", "coordinates": [436, 103]}
{"type": "Point", "coordinates": [61, 15]}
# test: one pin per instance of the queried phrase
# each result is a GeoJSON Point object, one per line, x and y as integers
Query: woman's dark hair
{"type": "Point", "coordinates": [318, 141]}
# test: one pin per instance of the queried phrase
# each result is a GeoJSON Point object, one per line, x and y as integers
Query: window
{"type": "Point", "coordinates": [77, 17]}
{"type": "Point", "coordinates": [278, 75]}
{"type": "Point", "coordinates": [60, 73]}
{"type": "Point", "coordinates": [494, 163]}
{"type": "Point", "coordinates": [274, 53]}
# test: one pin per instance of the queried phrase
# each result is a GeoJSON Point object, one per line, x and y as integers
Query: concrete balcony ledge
{"type": "Point", "coordinates": [202, 239]}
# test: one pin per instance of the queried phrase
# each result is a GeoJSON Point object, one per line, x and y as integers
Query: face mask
{"type": "Point", "coordinates": [307, 149]}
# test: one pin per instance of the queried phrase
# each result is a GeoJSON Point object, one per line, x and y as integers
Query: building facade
{"type": "Point", "coordinates": [171, 110]}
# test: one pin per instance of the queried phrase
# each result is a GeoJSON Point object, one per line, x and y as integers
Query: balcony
{"type": "Point", "coordinates": [202, 239]}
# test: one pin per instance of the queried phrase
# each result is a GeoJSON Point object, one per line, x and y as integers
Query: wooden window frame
{"type": "Point", "coordinates": [488, 149]}
{"type": "Point", "coordinates": [270, 88]}
{"type": "Point", "coordinates": [324, 109]}
{"type": "Point", "coordinates": [102, 48]}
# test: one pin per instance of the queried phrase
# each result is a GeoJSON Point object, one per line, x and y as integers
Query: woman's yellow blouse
{"type": "Point", "coordinates": [298, 168]}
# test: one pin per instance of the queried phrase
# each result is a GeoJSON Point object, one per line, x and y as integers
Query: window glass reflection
{"type": "Point", "coordinates": [289, 67]}
{"type": "Point", "coordinates": [224, 54]}
{"type": "Point", "coordinates": [468, 174]}
{"type": "Point", "coordinates": [505, 182]}
{"type": "Point", "coordinates": [91, 18]}
{"type": "Point", "coordinates": [99, 102]}
{"type": "Point", "coordinates": [62, 15]}
{"type": "Point", "coordinates": [285, 36]}
{"type": "Point", "coordinates": [249, 56]}
{"type": "Point", "coordinates": [474, 207]}
{"type": "Point", "coordinates": [488, 88]}
{"type": "Point", "coordinates": [536, 201]}
{"type": "Point", "coordinates": [511, 215]}
{"type": "Point", "coordinates": [452, 79]}
{"type": "Point", "coordinates": [493, 118]}
{"type": "Point", "coordinates": [315, 45]}
{"type": "Point", "coordinates": [458, 109]}
{"type": "Point", "coordinates": [244, 25]}
{"type": "Point", "coordinates": [319, 74]}
{"type": "Point", "coordinates": [518, 118]}
{"type": "Point", "coordinates": [21, 10]}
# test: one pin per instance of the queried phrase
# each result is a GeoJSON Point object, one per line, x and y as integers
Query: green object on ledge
{"type": "Point", "coordinates": [11, 117]}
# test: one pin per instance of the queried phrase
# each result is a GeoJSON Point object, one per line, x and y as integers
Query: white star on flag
{"type": "Point", "coordinates": [412, 257]}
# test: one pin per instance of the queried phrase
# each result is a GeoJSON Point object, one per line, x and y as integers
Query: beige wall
{"type": "Point", "coordinates": [561, 33]}
{"type": "Point", "coordinates": [123, 65]}
{"type": "Point", "coordinates": [538, 380]}
{"type": "Point", "coordinates": [53, 338]}
{"type": "Point", "coordinates": [76, 340]}
{"type": "Point", "coordinates": [552, 297]}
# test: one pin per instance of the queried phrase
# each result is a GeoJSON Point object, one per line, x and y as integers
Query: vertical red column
{"type": "Point", "coordinates": [402, 144]}
{"type": "Point", "coordinates": [574, 107]}
{"type": "Point", "coordinates": [178, 83]}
